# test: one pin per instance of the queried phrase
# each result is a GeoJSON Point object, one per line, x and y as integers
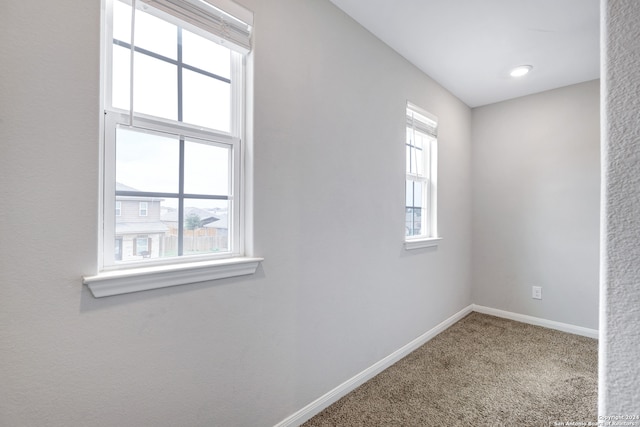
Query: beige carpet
{"type": "Point", "coordinates": [482, 371]}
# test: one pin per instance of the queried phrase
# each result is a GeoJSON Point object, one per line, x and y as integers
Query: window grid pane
{"type": "Point", "coordinates": [217, 62]}
{"type": "Point", "coordinates": [184, 209]}
{"type": "Point", "coordinates": [206, 101]}
{"type": "Point", "coordinates": [414, 208]}
{"type": "Point", "coordinates": [156, 35]}
{"type": "Point", "coordinates": [164, 85]}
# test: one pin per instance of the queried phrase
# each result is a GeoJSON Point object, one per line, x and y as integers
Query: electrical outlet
{"type": "Point", "coordinates": [536, 292]}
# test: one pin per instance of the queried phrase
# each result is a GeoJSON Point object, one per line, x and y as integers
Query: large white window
{"type": "Point", "coordinates": [421, 178]}
{"type": "Point", "coordinates": [173, 168]}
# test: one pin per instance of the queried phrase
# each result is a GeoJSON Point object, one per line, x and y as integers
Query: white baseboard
{"type": "Point", "coordinates": [551, 324]}
{"type": "Point", "coordinates": [351, 384]}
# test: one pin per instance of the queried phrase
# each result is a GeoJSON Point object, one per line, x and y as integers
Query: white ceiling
{"type": "Point", "coordinates": [469, 46]}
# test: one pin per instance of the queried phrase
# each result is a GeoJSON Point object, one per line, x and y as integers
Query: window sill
{"type": "Point", "coordinates": [428, 242]}
{"type": "Point", "coordinates": [142, 279]}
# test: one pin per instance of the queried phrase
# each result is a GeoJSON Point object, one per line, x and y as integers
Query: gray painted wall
{"type": "Point", "coordinates": [619, 393]}
{"type": "Point", "coordinates": [336, 292]}
{"type": "Point", "coordinates": [536, 180]}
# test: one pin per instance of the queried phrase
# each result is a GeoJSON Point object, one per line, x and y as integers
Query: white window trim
{"type": "Point", "coordinates": [430, 218]}
{"type": "Point", "coordinates": [424, 242]}
{"type": "Point", "coordinates": [145, 210]}
{"type": "Point", "coordinates": [119, 282]}
{"type": "Point", "coordinates": [184, 271]}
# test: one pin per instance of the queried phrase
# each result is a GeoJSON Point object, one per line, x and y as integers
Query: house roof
{"type": "Point", "coordinates": [204, 215]}
{"type": "Point", "coordinates": [140, 227]}
{"type": "Point", "coordinates": [121, 187]}
{"type": "Point", "coordinates": [221, 222]}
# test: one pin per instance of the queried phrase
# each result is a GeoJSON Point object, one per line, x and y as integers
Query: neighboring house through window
{"type": "Point", "coordinates": [140, 216]}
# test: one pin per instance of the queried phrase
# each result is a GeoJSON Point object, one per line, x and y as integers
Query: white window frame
{"type": "Point", "coordinates": [116, 278]}
{"type": "Point", "coordinates": [140, 238]}
{"type": "Point", "coordinates": [421, 121]}
{"type": "Point", "coordinates": [143, 209]}
{"type": "Point", "coordinates": [162, 127]}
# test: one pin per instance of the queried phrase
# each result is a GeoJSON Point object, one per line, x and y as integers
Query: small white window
{"type": "Point", "coordinates": [421, 176]}
{"type": "Point", "coordinates": [143, 209]}
{"type": "Point", "coordinates": [118, 208]}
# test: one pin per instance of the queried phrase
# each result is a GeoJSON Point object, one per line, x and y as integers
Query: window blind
{"type": "Point", "coordinates": [420, 122]}
{"type": "Point", "coordinates": [224, 19]}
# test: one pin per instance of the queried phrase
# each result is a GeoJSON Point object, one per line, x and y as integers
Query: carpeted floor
{"type": "Point", "coordinates": [482, 371]}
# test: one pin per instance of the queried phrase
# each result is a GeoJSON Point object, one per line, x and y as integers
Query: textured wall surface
{"type": "Point", "coordinates": [619, 392]}
{"type": "Point", "coordinates": [336, 293]}
{"type": "Point", "coordinates": [536, 182]}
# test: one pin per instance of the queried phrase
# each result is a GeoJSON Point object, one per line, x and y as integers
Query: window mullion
{"type": "Point", "coordinates": [426, 190]}
{"type": "Point", "coordinates": [131, 64]}
{"type": "Point", "coordinates": [415, 147]}
{"type": "Point", "coordinates": [179, 74]}
{"type": "Point", "coordinates": [433, 187]}
{"type": "Point", "coordinates": [426, 208]}
{"type": "Point", "coordinates": [181, 159]}
{"type": "Point", "coordinates": [237, 208]}
{"type": "Point", "coordinates": [107, 46]}
{"type": "Point", "coordinates": [181, 200]}
{"type": "Point", "coordinates": [413, 208]}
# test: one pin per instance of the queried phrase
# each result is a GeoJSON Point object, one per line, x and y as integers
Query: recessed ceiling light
{"type": "Point", "coordinates": [521, 70]}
